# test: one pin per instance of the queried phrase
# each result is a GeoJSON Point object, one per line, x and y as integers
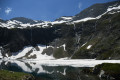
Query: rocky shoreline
{"type": "Point", "coordinates": [107, 71]}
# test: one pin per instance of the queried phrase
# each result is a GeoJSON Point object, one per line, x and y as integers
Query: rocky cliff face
{"type": "Point", "coordinates": [95, 36]}
{"type": "Point", "coordinates": [95, 10]}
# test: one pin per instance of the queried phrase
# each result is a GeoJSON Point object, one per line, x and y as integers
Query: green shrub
{"type": "Point", "coordinates": [10, 75]}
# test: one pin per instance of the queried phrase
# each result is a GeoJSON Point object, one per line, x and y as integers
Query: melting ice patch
{"type": "Point", "coordinates": [38, 65]}
{"type": "Point", "coordinates": [60, 62]}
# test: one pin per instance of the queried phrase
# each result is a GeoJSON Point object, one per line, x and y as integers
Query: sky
{"type": "Point", "coordinates": [47, 10]}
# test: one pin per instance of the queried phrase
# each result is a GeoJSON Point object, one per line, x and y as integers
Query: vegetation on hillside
{"type": "Point", "coordinates": [10, 75]}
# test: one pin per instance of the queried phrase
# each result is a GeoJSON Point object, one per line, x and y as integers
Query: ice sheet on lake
{"type": "Point", "coordinates": [38, 65]}
{"type": "Point", "coordinates": [67, 62]}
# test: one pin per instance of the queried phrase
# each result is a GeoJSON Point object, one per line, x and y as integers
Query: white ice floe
{"type": "Point", "coordinates": [72, 62]}
{"type": "Point", "coordinates": [68, 62]}
{"type": "Point", "coordinates": [33, 65]}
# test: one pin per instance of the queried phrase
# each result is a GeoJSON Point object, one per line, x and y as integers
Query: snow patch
{"type": "Point", "coordinates": [32, 65]}
{"type": "Point", "coordinates": [21, 53]}
{"type": "Point", "coordinates": [84, 20]}
{"type": "Point", "coordinates": [67, 18]}
{"type": "Point", "coordinates": [113, 8]}
{"type": "Point", "coordinates": [64, 47]}
{"type": "Point", "coordinates": [64, 73]}
{"type": "Point", "coordinates": [89, 46]}
{"type": "Point", "coordinates": [101, 73]}
{"type": "Point", "coordinates": [6, 55]}
{"type": "Point", "coordinates": [58, 22]}
{"type": "Point", "coordinates": [108, 10]}
{"type": "Point", "coordinates": [84, 44]}
{"type": "Point", "coordinates": [38, 54]}
{"type": "Point", "coordinates": [1, 52]}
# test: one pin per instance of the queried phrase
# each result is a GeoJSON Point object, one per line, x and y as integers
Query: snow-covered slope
{"type": "Point", "coordinates": [20, 22]}
{"type": "Point", "coordinates": [17, 24]}
{"type": "Point", "coordinates": [95, 10]}
{"type": "Point", "coordinates": [30, 52]}
{"type": "Point", "coordinates": [111, 10]}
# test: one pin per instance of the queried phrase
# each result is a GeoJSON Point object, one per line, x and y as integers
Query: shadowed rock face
{"type": "Point", "coordinates": [105, 71]}
{"type": "Point", "coordinates": [98, 38]}
{"type": "Point", "coordinates": [16, 39]}
{"type": "Point", "coordinates": [102, 36]}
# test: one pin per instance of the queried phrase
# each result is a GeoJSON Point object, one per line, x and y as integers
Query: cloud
{"type": "Point", "coordinates": [80, 5]}
{"type": "Point", "coordinates": [8, 10]}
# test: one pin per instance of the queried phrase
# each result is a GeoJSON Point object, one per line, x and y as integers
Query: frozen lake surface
{"type": "Point", "coordinates": [63, 62]}
{"type": "Point", "coordinates": [60, 69]}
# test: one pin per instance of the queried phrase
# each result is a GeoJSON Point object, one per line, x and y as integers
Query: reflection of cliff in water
{"type": "Point", "coordinates": [54, 69]}
{"type": "Point", "coordinates": [47, 72]}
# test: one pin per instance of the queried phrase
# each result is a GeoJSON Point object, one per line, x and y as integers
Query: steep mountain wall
{"type": "Point", "coordinates": [87, 38]}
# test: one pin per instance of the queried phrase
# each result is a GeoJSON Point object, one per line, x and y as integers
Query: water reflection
{"type": "Point", "coordinates": [44, 72]}
{"type": "Point", "coordinates": [47, 70]}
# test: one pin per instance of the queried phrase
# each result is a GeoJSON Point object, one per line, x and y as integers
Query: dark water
{"type": "Point", "coordinates": [43, 72]}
